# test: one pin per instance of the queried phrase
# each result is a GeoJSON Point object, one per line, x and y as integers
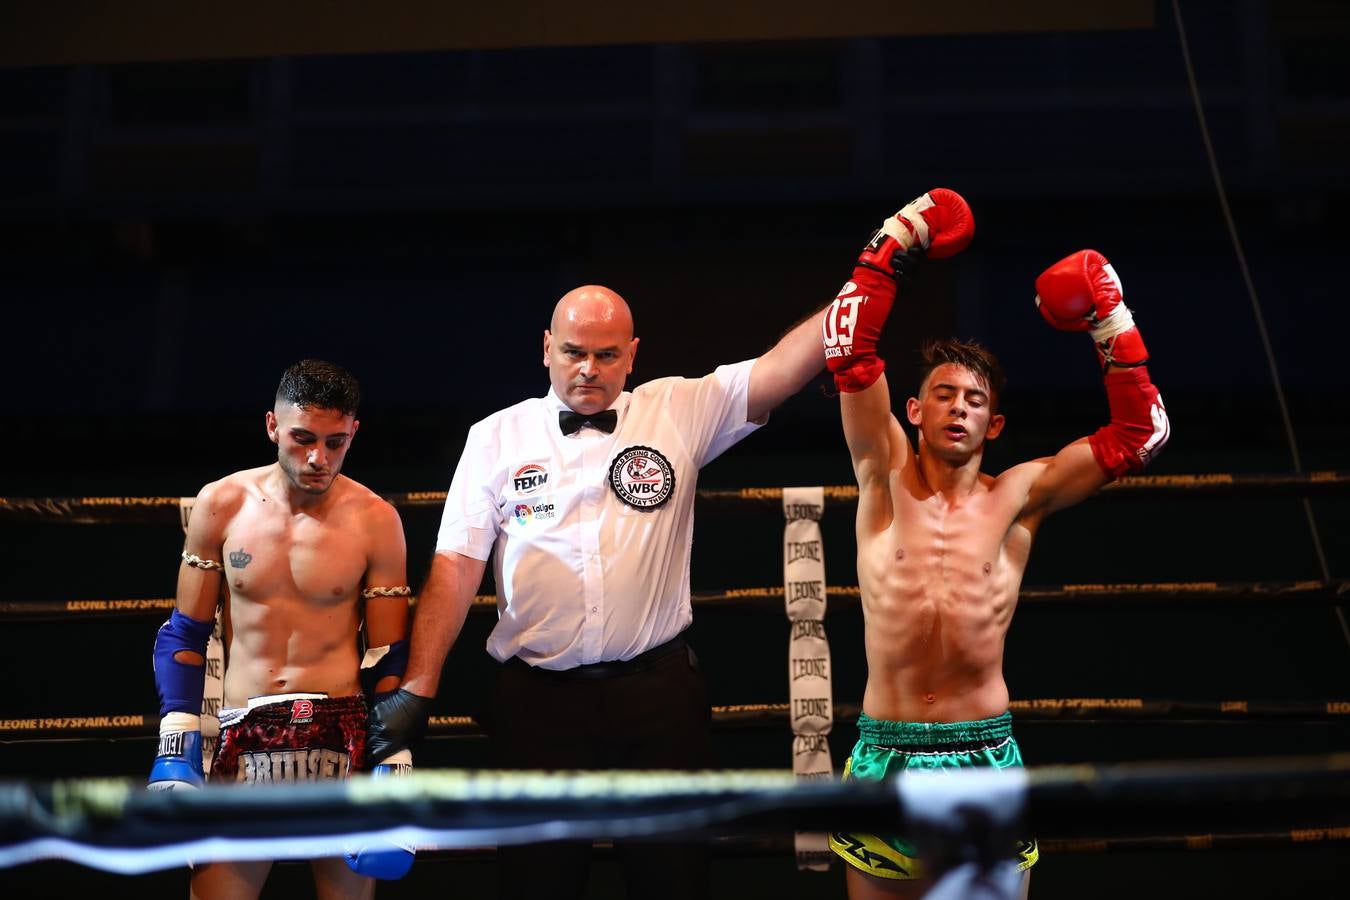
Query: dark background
{"type": "Point", "coordinates": [175, 233]}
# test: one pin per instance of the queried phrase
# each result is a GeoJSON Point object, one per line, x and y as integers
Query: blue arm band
{"type": "Point", "coordinates": [181, 685]}
{"type": "Point", "coordinates": [395, 662]}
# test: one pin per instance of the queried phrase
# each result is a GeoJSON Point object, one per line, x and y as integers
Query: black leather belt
{"type": "Point", "coordinates": [643, 661]}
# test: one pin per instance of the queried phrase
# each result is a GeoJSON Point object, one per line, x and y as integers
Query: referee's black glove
{"type": "Point", "coordinates": [396, 720]}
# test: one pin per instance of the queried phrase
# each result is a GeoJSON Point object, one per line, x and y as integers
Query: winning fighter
{"type": "Point", "coordinates": [304, 555]}
{"type": "Point", "coordinates": [941, 545]}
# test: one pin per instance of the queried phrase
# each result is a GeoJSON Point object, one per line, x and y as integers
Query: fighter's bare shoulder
{"type": "Point", "coordinates": [369, 507]}
{"type": "Point", "coordinates": [994, 496]}
{"type": "Point", "coordinates": [1023, 472]}
{"type": "Point", "coordinates": [1017, 481]}
{"type": "Point", "coordinates": [225, 495]}
{"type": "Point", "coordinates": [1029, 484]}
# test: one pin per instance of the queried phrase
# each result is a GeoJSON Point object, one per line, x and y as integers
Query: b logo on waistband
{"type": "Point", "coordinates": [302, 711]}
{"type": "Point", "coordinates": [642, 477]}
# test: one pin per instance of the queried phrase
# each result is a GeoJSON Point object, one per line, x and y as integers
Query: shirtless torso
{"type": "Point", "coordinates": [297, 541]}
{"type": "Point", "coordinates": [939, 588]}
{"type": "Point", "coordinates": [942, 546]}
{"type": "Point", "coordinates": [294, 578]}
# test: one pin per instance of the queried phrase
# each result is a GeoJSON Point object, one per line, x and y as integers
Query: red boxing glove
{"type": "Point", "coordinates": [938, 223]}
{"type": "Point", "coordinates": [851, 327]}
{"type": "Point", "coordinates": [1139, 428]}
{"type": "Point", "coordinates": [1082, 292]}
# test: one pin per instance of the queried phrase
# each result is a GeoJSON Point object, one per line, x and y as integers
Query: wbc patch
{"type": "Point", "coordinates": [302, 711]}
{"type": "Point", "coordinates": [642, 477]}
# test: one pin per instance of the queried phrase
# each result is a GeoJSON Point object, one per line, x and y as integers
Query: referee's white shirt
{"type": "Point", "coordinates": [583, 576]}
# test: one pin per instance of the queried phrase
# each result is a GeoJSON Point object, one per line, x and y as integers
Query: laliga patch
{"type": "Point", "coordinates": [525, 513]}
{"type": "Point", "coordinates": [302, 712]}
{"type": "Point", "coordinates": [642, 477]}
{"type": "Point", "coordinates": [529, 478]}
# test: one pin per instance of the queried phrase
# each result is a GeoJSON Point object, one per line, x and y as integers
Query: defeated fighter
{"type": "Point", "coordinates": [941, 545]}
{"type": "Point", "coordinates": [305, 555]}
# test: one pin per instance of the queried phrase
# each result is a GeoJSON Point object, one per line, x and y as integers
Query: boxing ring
{"type": "Point", "coordinates": [456, 813]}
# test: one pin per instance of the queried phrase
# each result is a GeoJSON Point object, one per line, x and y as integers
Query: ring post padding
{"type": "Point", "coordinates": [808, 655]}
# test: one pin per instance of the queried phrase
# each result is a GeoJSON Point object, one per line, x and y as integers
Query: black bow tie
{"type": "Point", "coordinates": [570, 421]}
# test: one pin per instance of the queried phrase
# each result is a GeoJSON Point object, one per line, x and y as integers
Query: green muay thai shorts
{"type": "Point", "coordinates": [887, 749]}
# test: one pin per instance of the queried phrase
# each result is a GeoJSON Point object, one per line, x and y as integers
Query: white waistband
{"type": "Point", "coordinates": [232, 714]}
{"type": "Point", "coordinates": [255, 702]}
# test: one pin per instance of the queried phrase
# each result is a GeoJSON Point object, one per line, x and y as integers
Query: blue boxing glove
{"type": "Point", "coordinates": [178, 765]}
{"type": "Point", "coordinates": [181, 684]}
{"type": "Point", "coordinates": [384, 859]}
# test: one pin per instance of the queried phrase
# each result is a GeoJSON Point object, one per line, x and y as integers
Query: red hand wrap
{"type": "Point", "coordinates": [1139, 428]}
{"type": "Point", "coordinates": [851, 328]}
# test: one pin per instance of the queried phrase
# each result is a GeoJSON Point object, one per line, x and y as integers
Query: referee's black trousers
{"type": "Point", "coordinates": [648, 713]}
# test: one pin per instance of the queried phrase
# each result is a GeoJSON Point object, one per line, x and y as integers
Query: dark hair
{"type": "Point", "coordinates": [968, 355]}
{"type": "Point", "coordinates": [321, 385]}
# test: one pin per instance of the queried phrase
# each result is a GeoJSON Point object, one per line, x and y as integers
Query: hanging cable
{"type": "Point", "coordinates": [1256, 305]}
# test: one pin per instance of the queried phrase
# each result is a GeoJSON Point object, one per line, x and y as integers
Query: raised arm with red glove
{"type": "Point", "coordinates": [937, 224]}
{"type": "Point", "coordinates": [1082, 292]}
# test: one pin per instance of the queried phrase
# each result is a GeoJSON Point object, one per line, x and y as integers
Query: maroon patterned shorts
{"type": "Point", "coordinates": [323, 739]}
